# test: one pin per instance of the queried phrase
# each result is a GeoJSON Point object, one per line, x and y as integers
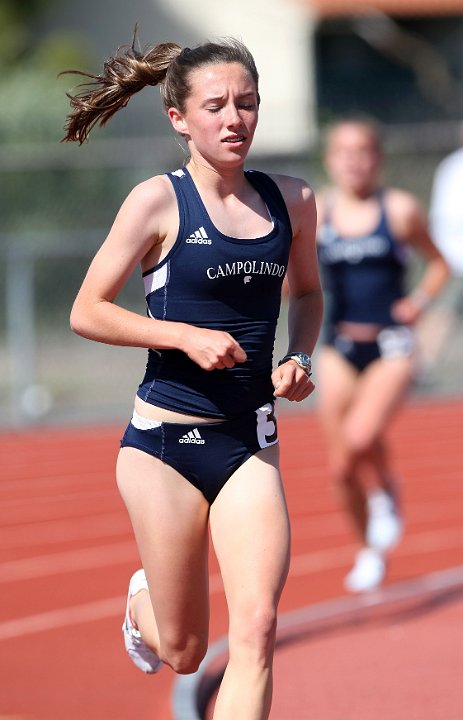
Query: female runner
{"type": "Point", "coordinates": [367, 361]}
{"type": "Point", "coordinates": [213, 242]}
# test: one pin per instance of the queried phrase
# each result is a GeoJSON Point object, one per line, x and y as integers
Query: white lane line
{"type": "Point", "coordinates": [114, 607]}
{"type": "Point", "coordinates": [67, 562]}
{"type": "Point", "coordinates": [116, 524]}
{"type": "Point", "coordinates": [65, 617]}
{"type": "Point", "coordinates": [301, 564]}
{"type": "Point", "coordinates": [432, 540]}
{"type": "Point", "coordinates": [52, 532]}
{"type": "Point", "coordinates": [412, 545]}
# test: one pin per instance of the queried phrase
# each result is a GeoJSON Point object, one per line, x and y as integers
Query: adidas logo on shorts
{"type": "Point", "coordinates": [199, 237]}
{"type": "Point", "coordinates": [192, 437]}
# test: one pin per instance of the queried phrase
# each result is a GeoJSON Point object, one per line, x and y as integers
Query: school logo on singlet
{"type": "Point", "coordinates": [334, 249]}
{"type": "Point", "coordinates": [247, 268]}
{"type": "Point", "coordinates": [193, 436]}
{"type": "Point", "coordinates": [199, 237]}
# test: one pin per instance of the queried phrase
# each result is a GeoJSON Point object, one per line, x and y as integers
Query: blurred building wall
{"type": "Point", "coordinates": [279, 33]}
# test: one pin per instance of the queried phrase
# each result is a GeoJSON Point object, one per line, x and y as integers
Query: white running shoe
{"type": "Point", "coordinates": [368, 571]}
{"type": "Point", "coordinates": [143, 657]}
{"type": "Point", "coordinates": [384, 525]}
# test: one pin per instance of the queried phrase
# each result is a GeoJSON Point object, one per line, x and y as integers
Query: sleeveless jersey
{"type": "Point", "coordinates": [364, 275]}
{"type": "Point", "coordinates": [218, 282]}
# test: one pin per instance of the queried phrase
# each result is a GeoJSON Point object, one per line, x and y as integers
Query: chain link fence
{"type": "Point", "coordinates": [57, 204]}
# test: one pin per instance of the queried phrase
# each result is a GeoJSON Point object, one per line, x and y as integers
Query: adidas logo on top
{"type": "Point", "coordinates": [193, 437]}
{"type": "Point", "coordinates": [199, 237]}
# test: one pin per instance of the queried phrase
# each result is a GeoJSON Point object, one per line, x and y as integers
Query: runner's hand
{"type": "Point", "coordinates": [405, 311]}
{"type": "Point", "coordinates": [211, 349]}
{"type": "Point", "coordinates": [291, 382]}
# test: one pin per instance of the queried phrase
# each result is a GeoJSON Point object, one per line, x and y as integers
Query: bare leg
{"type": "Point", "coordinates": [170, 521]}
{"type": "Point", "coordinates": [379, 393]}
{"type": "Point", "coordinates": [355, 411]}
{"type": "Point", "coordinates": [338, 382]}
{"type": "Point", "coordinates": [250, 531]}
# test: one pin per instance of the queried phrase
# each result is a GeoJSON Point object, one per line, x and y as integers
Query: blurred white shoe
{"type": "Point", "coordinates": [384, 524]}
{"type": "Point", "coordinates": [143, 657]}
{"type": "Point", "coordinates": [368, 571]}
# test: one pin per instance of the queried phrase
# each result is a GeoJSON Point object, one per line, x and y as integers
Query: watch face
{"type": "Point", "coordinates": [304, 360]}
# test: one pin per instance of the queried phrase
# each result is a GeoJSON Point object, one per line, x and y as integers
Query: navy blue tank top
{"type": "Point", "coordinates": [214, 281]}
{"type": "Point", "coordinates": [364, 275]}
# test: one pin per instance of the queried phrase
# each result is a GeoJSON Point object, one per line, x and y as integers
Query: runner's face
{"type": "Point", "coordinates": [221, 113]}
{"type": "Point", "coordinates": [353, 158]}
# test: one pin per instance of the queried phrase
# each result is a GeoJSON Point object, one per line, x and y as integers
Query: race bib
{"type": "Point", "coordinates": [267, 432]}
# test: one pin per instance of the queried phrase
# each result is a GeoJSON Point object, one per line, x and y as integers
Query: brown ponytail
{"type": "Point", "coordinates": [129, 71]}
{"type": "Point", "coordinates": [125, 74]}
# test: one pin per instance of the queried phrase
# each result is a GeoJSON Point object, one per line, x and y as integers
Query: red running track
{"type": "Point", "coordinates": [67, 553]}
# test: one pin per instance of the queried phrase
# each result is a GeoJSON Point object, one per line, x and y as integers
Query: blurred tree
{"type": "Point", "coordinates": [32, 98]}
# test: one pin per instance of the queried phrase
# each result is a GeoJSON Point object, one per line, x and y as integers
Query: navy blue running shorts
{"type": "Point", "coordinates": [206, 454]}
{"type": "Point", "coordinates": [392, 342]}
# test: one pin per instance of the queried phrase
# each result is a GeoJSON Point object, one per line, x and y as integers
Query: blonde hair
{"type": "Point", "coordinates": [130, 70]}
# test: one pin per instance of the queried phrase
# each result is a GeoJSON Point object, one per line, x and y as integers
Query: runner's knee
{"type": "Point", "coordinates": [183, 654]}
{"type": "Point", "coordinates": [252, 632]}
{"type": "Point", "coordinates": [358, 439]}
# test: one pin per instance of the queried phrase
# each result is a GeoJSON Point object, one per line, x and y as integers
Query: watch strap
{"type": "Point", "coordinates": [296, 356]}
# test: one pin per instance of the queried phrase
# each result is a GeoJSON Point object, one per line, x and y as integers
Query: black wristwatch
{"type": "Point", "coordinates": [302, 359]}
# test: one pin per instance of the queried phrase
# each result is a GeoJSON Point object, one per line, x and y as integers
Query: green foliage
{"type": "Point", "coordinates": [16, 37]}
{"type": "Point", "coordinates": [32, 96]}
{"type": "Point", "coordinates": [33, 107]}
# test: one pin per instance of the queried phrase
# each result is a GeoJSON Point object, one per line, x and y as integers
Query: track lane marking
{"type": "Point", "coordinates": [301, 564]}
{"type": "Point", "coordinates": [55, 619]}
{"type": "Point", "coordinates": [68, 562]}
